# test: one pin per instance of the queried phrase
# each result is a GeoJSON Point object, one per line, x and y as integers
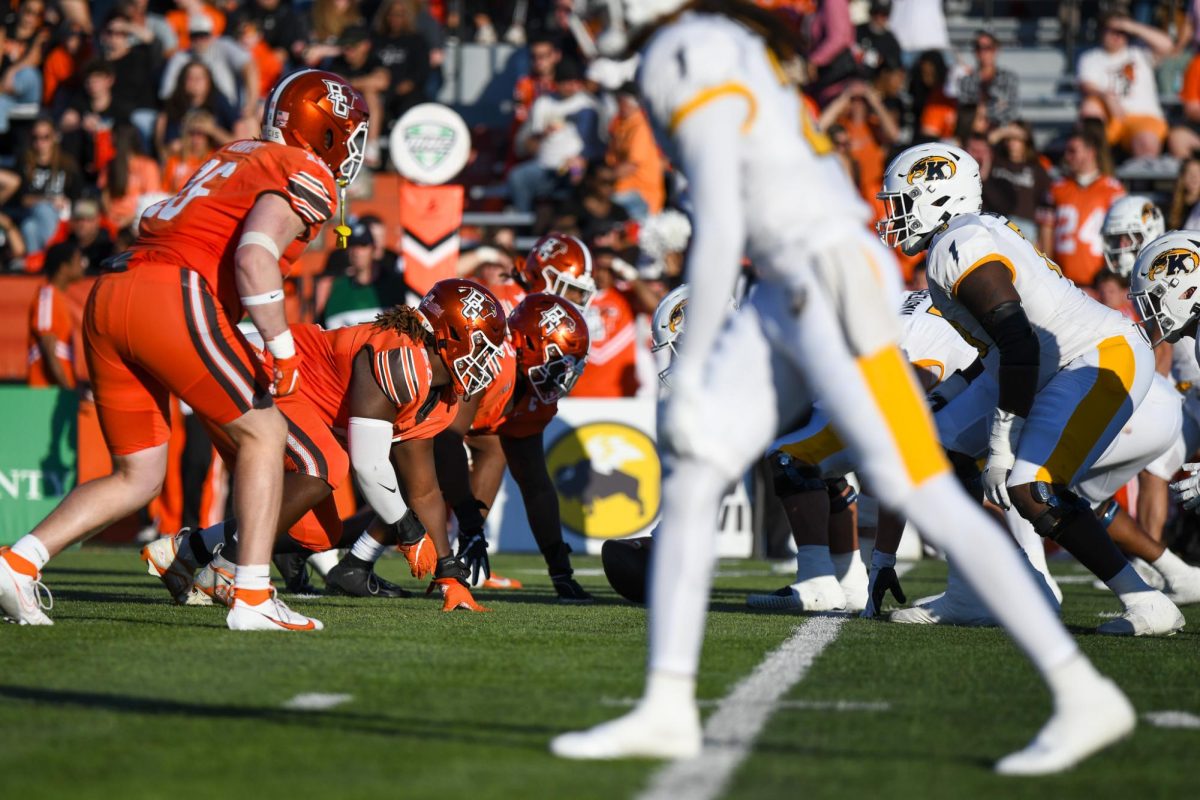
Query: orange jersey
{"type": "Point", "coordinates": [509, 294]}
{"type": "Point", "coordinates": [51, 313]}
{"type": "Point", "coordinates": [329, 364]}
{"type": "Point", "coordinates": [1077, 218]}
{"type": "Point", "coordinates": [612, 360]}
{"type": "Point", "coordinates": [199, 227]}
{"type": "Point", "coordinates": [507, 408]}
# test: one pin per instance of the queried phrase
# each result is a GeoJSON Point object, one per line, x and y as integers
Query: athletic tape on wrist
{"type": "Point", "coordinates": [283, 345]}
{"type": "Point", "coordinates": [260, 239]}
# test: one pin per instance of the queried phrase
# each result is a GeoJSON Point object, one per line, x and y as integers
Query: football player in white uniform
{"type": "Point", "coordinates": [1069, 370]}
{"type": "Point", "coordinates": [766, 183]}
{"type": "Point", "coordinates": [1130, 224]}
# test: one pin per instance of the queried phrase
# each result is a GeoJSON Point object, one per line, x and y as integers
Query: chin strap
{"type": "Point", "coordinates": [342, 230]}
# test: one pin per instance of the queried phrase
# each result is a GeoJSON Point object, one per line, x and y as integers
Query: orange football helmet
{"type": "Point", "coordinates": [323, 114]}
{"type": "Point", "coordinates": [560, 265]}
{"type": "Point", "coordinates": [468, 327]}
{"type": "Point", "coordinates": [551, 339]}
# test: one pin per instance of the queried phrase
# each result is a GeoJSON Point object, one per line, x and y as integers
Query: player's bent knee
{"type": "Point", "coordinates": [1049, 509]}
{"type": "Point", "coordinates": [264, 427]}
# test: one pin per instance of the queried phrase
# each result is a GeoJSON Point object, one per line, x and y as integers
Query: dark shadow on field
{"type": "Point", "coordinates": [52, 571]}
{"type": "Point", "coordinates": [549, 597]}
{"type": "Point", "coordinates": [421, 729]}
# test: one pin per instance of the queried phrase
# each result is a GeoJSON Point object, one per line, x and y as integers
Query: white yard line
{"type": "Point", "coordinates": [730, 731]}
{"type": "Point", "coordinates": [316, 701]}
{"type": "Point", "coordinates": [1172, 719]}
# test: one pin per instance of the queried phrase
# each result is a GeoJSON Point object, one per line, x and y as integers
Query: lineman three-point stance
{"type": "Point", "coordinates": [822, 323]}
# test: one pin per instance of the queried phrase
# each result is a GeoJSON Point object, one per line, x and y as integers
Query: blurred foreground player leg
{"type": "Point", "coordinates": [821, 317]}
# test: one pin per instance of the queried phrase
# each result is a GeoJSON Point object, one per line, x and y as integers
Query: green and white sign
{"type": "Point", "coordinates": [38, 458]}
{"type": "Point", "coordinates": [430, 144]}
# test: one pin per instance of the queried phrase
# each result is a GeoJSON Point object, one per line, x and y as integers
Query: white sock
{"type": "Point", "coordinates": [1127, 585]}
{"type": "Point", "coordinates": [255, 576]}
{"type": "Point", "coordinates": [813, 561]}
{"type": "Point", "coordinates": [367, 548]}
{"type": "Point", "coordinates": [669, 689]}
{"type": "Point", "coordinates": [681, 566]}
{"type": "Point", "coordinates": [324, 561]}
{"type": "Point", "coordinates": [1072, 676]}
{"type": "Point", "coordinates": [988, 561]}
{"type": "Point", "coordinates": [846, 563]}
{"type": "Point", "coordinates": [1170, 566]}
{"type": "Point", "coordinates": [30, 548]}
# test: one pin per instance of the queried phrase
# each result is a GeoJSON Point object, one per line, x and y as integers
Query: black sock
{"type": "Point", "coordinates": [1084, 537]}
{"type": "Point", "coordinates": [354, 562]}
{"type": "Point", "coordinates": [199, 551]}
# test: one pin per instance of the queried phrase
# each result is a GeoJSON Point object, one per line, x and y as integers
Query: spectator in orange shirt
{"type": "Point", "coordinates": [634, 155]}
{"type": "Point", "coordinates": [935, 111]}
{"type": "Point", "coordinates": [1184, 138]}
{"type": "Point", "coordinates": [870, 133]}
{"type": "Point", "coordinates": [612, 360]}
{"type": "Point", "coordinates": [179, 19]}
{"type": "Point", "coordinates": [52, 322]}
{"type": "Point", "coordinates": [197, 142]}
{"type": "Point", "coordinates": [62, 67]}
{"type": "Point", "coordinates": [544, 55]}
{"type": "Point", "coordinates": [130, 175]}
{"type": "Point", "coordinates": [1070, 220]}
{"type": "Point", "coordinates": [266, 60]}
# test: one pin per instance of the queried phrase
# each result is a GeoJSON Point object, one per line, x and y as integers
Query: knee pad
{"type": "Point", "coordinates": [792, 477]}
{"type": "Point", "coordinates": [1064, 505]}
{"type": "Point", "coordinates": [841, 495]}
{"type": "Point", "coordinates": [1107, 512]}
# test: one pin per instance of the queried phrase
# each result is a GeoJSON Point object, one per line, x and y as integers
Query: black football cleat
{"type": "Point", "coordinates": [570, 592]}
{"type": "Point", "coordinates": [359, 580]}
{"type": "Point", "coordinates": [293, 568]}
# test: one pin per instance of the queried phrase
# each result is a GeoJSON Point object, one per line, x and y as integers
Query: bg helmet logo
{"type": "Point", "coordinates": [675, 321]}
{"type": "Point", "coordinates": [477, 306]}
{"type": "Point", "coordinates": [336, 94]}
{"type": "Point", "coordinates": [551, 248]}
{"type": "Point", "coordinates": [608, 478]}
{"type": "Point", "coordinates": [1173, 262]}
{"type": "Point", "coordinates": [932, 168]}
{"type": "Point", "coordinates": [554, 316]}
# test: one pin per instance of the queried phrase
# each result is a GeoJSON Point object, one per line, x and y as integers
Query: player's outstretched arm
{"type": "Point", "coordinates": [270, 227]}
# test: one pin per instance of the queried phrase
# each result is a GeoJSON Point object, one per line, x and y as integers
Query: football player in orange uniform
{"type": "Point", "coordinates": [549, 345]}
{"type": "Point", "coordinates": [166, 326]}
{"type": "Point", "coordinates": [373, 394]}
{"type": "Point", "coordinates": [557, 264]}
{"type": "Point", "coordinates": [51, 323]}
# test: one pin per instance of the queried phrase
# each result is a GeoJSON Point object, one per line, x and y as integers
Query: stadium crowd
{"type": "Point", "coordinates": [107, 107]}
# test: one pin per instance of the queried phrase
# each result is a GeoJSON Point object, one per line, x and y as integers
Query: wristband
{"type": "Point", "coordinates": [882, 560]}
{"type": "Point", "coordinates": [264, 299]}
{"type": "Point", "coordinates": [282, 346]}
{"type": "Point", "coordinates": [260, 239]}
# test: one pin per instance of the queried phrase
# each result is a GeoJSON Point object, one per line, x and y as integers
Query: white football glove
{"type": "Point", "coordinates": [1187, 491]}
{"type": "Point", "coordinates": [1002, 454]}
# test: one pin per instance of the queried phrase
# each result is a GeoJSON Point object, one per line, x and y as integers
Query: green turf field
{"type": "Point", "coordinates": [129, 696]}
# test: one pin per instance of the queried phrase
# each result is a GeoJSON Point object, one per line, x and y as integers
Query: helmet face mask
{"type": "Point", "coordinates": [551, 340]}
{"type": "Point", "coordinates": [1165, 288]}
{"type": "Point", "coordinates": [322, 113]}
{"type": "Point", "coordinates": [555, 377]}
{"type": "Point", "coordinates": [475, 371]}
{"type": "Point", "coordinates": [469, 332]}
{"type": "Point", "coordinates": [579, 290]}
{"type": "Point", "coordinates": [559, 265]}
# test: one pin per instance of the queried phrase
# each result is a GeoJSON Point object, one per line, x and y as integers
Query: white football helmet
{"type": "Point", "coordinates": [624, 19]}
{"type": "Point", "coordinates": [1165, 288]}
{"type": "Point", "coordinates": [668, 324]}
{"type": "Point", "coordinates": [1130, 224]}
{"type": "Point", "coordinates": [924, 188]}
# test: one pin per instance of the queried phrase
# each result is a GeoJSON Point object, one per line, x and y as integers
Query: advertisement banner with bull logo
{"type": "Point", "coordinates": [602, 458]}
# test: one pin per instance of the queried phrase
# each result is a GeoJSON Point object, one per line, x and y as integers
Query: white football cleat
{"type": "Point", "coordinates": [215, 580]}
{"type": "Point", "coordinates": [1092, 718]}
{"type": "Point", "coordinates": [823, 593]}
{"type": "Point", "coordinates": [164, 562]}
{"type": "Point", "coordinates": [642, 733]}
{"type": "Point", "coordinates": [21, 597]}
{"type": "Point", "coordinates": [854, 586]}
{"type": "Point", "coordinates": [1151, 614]}
{"type": "Point", "coordinates": [945, 610]}
{"type": "Point", "coordinates": [270, 615]}
{"type": "Point", "coordinates": [1184, 589]}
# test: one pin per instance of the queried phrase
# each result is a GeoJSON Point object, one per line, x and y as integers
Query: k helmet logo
{"type": "Point", "coordinates": [476, 305]}
{"type": "Point", "coordinates": [554, 316]}
{"type": "Point", "coordinates": [337, 99]}
{"type": "Point", "coordinates": [1173, 262]}
{"type": "Point", "coordinates": [932, 168]}
{"type": "Point", "coordinates": [675, 321]}
{"type": "Point", "coordinates": [608, 478]}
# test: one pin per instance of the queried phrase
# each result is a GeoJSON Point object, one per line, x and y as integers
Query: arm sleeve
{"type": "Point", "coordinates": [370, 445]}
{"type": "Point", "coordinates": [1019, 356]}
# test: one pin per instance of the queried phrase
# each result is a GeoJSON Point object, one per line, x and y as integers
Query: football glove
{"type": "Point", "coordinates": [286, 376]}
{"type": "Point", "coordinates": [1002, 449]}
{"type": "Point", "coordinates": [1187, 490]}
{"type": "Point", "coordinates": [421, 555]}
{"type": "Point", "coordinates": [883, 579]}
{"type": "Point", "coordinates": [450, 578]}
{"type": "Point", "coordinates": [472, 549]}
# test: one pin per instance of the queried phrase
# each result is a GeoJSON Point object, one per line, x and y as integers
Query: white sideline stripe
{"type": "Point", "coordinates": [782, 705]}
{"type": "Point", "coordinates": [741, 715]}
{"type": "Point", "coordinates": [316, 701]}
{"type": "Point", "coordinates": [1172, 719]}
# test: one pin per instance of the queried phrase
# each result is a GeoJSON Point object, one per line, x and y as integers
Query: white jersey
{"type": "Point", "coordinates": [1185, 364]}
{"type": "Point", "coordinates": [795, 194]}
{"type": "Point", "coordinates": [929, 342]}
{"type": "Point", "coordinates": [1068, 323]}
